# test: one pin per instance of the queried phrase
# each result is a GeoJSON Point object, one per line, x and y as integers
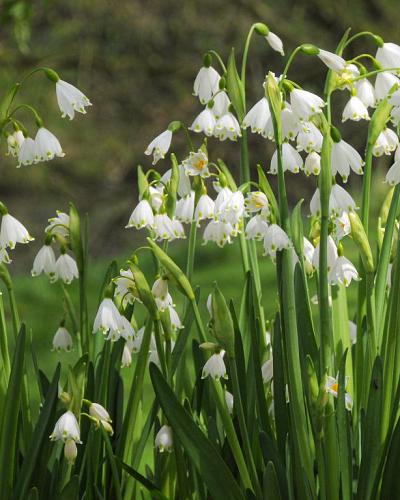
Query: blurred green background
{"type": "Point", "coordinates": [136, 61]}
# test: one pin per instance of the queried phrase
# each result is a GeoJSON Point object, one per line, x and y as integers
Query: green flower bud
{"type": "Point", "coordinates": [312, 380]}
{"type": "Point", "coordinates": [144, 291]}
{"type": "Point", "coordinates": [222, 322]}
{"type": "Point", "coordinates": [222, 83]}
{"type": "Point", "coordinates": [174, 126]}
{"type": "Point", "coordinates": [207, 60]}
{"type": "Point", "coordinates": [378, 40]}
{"type": "Point", "coordinates": [361, 240]}
{"type": "Point", "coordinates": [3, 209]}
{"type": "Point", "coordinates": [309, 49]}
{"type": "Point", "coordinates": [51, 75]}
{"type": "Point", "coordinates": [210, 346]}
{"type": "Point", "coordinates": [261, 29]}
{"type": "Point", "coordinates": [335, 134]}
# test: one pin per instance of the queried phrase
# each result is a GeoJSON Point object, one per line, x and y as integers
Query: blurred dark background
{"type": "Point", "coordinates": [136, 61]}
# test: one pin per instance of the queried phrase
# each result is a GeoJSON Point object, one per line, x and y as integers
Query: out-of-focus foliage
{"type": "Point", "coordinates": [136, 60]}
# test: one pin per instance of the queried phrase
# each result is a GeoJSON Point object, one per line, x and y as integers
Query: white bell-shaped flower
{"type": "Point", "coordinates": [206, 84]}
{"type": "Point", "coordinates": [70, 99]}
{"type": "Point", "coordinates": [142, 216]}
{"type": "Point", "coordinates": [333, 61]}
{"type": "Point", "coordinates": [221, 104]}
{"type": "Point", "coordinates": [125, 287]}
{"type": "Point", "coordinates": [384, 83]}
{"type": "Point", "coordinates": [227, 127]}
{"type": "Point", "coordinates": [308, 252]}
{"type": "Point", "coordinates": [331, 257]}
{"type": "Point", "coordinates": [312, 164]}
{"type": "Point", "coordinates": [127, 331]}
{"type": "Point", "coordinates": [257, 201]}
{"type": "Point", "coordinates": [343, 272]}
{"type": "Point", "coordinates": [258, 116]}
{"type": "Point", "coordinates": [184, 186]}
{"type": "Point", "coordinates": [70, 451]}
{"type": "Point", "coordinates": [176, 322]}
{"type": "Point", "coordinates": [163, 227]}
{"type": "Point", "coordinates": [267, 370]}
{"type": "Point", "coordinates": [45, 262]}
{"type": "Point", "coordinates": [365, 92]}
{"type": "Point", "coordinates": [62, 340]}
{"type": "Point", "coordinates": [204, 122]}
{"type": "Point", "coordinates": [275, 239]}
{"type": "Point", "coordinates": [229, 208]}
{"type": "Point", "coordinates": [355, 110]}
{"type": "Point", "coordinates": [196, 164]}
{"type": "Point", "coordinates": [47, 145]}
{"type": "Point", "coordinates": [256, 228]}
{"type": "Point", "coordinates": [388, 55]}
{"type": "Point", "coordinates": [159, 146]}
{"type": "Point", "coordinates": [27, 152]}
{"type": "Point", "coordinates": [14, 142]}
{"type": "Point", "coordinates": [332, 387]}
{"type": "Point", "coordinates": [164, 439]}
{"type": "Point", "coordinates": [219, 232]}
{"type": "Point", "coordinates": [343, 158]}
{"type": "Point", "coordinates": [205, 208]}
{"type": "Point", "coordinates": [352, 332]}
{"type": "Point", "coordinates": [342, 225]}
{"type": "Point", "coordinates": [290, 123]}
{"type": "Point", "coordinates": [386, 143]}
{"type": "Point", "coordinates": [185, 208]}
{"type": "Point", "coordinates": [215, 367]}
{"type": "Point", "coordinates": [98, 411]}
{"type": "Point", "coordinates": [309, 138]}
{"type": "Point", "coordinates": [66, 268]}
{"type": "Point", "coordinates": [12, 232]}
{"type": "Point", "coordinates": [108, 319]}
{"type": "Point", "coordinates": [126, 358]}
{"type": "Point", "coordinates": [66, 427]}
{"type": "Point", "coordinates": [229, 401]}
{"type": "Point", "coordinates": [59, 224]}
{"type": "Point", "coordinates": [393, 174]}
{"type": "Point", "coordinates": [305, 104]}
{"type": "Point", "coordinates": [291, 160]}
{"type": "Point", "coordinates": [160, 293]}
{"type": "Point", "coordinates": [275, 43]}
{"type": "Point", "coordinates": [340, 200]}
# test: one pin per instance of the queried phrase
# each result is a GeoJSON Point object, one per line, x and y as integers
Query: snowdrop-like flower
{"type": "Point", "coordinates": [204, 208]}
{"type": "Point", "coordinates": [70, 99]}
{"type": "Point", "coordinates": [383, 83]}
{"type": "Point", "coordinates": [340, 200]}
{"type": "Point", "coordinates": [47, 145]}
{"type": "Point", "coordinates": [332, 387]}
{"type": "Point", "coordinates": [312, 164]}
{"type": "Point", "coordinates": [395, 115]}
{"type": "Point", "coordinates": [66, 268]}
{"type": "Point", "coordinates": [309, 138]}
{"type": "Point", "coordinates": [136, 344]}
{"type": "Point", "coordinates": [386, 143]}
{"type": "Point", "coordinates": [164, 439]}
{"type": "Point", "coordinates": [305, 104]}
{"type": "Point", "coordinates": [308, 252]}
{"type": "Point", "coordinates": [219, 232]}
{"type": "Point", "coordinates": [365, 92]}
{"type": "Point", "coordinates": [45, 262]}
{"type": "Point", "coordinates": [215, 366]}
{"type": "Point", "coordinates": [342, 224]}
{"type": "Point", "coordinates": [352, 332]}
{"type": "Point", "coordinates": [59, 225]}
{"type": "Point", "coordinates": [267, 370]}
{"type": "Point", "coordinates": [176, 322]}
{"type": "Point", "coordinates": [333, 61]}
{"type": "Point", "coordinates": [229, 401]}
{"type": "Point", "coordinates": [221, 104]}
{"type": "Point", "coordinates": [256, 228]}
{"type": "Point", "coordinates": [290, 123]}
{"type": "Point", "coordinates": [393, 174]}
{"type": "Point", "coordinates": [66, 428]}
{"type": "Point", "coordinates": [127, 330]}
{"type": "Point", "coordinates": [206, 84]}
{"type": "Point", "coordinates": [62, 340]}
{"type": "Point", "coordinates": [126, 359]}
{"type": "Point", "coordinates": [14, 142]}
{"type": "Point", "coordinates": [331, 257]}
{"type": "Point", "coordinates": [229, 207]}
{"type": "Point", "coordinates": [197, 164]}
{"type": "Point", "coordinates": [163, 227]}
{"type": "Point", "coordinates": [258, 116]}
{"type": "Point", "coordinates": [70, 451]}
{"type": "Point", "coordinates": [161, 295]}
{"type": "Point", "coordinates": [355, 110]}
{"type": "Point", "coordinates": [184, 186]}
{"type": "Point", "coordinates": [275, 42]}
{"type": "Point", "coordinates": [275, 239]}
{"type": "Point", "coordinates": [256, 201]}
{"type": "Point", "coordinates": [343, 272]}
{"type": "Point", "coordinates": [98, 412]}
{"type": "Point", "coordinates": [125, 287]}
{"type": "Point", "coordinates": [343, 158]}
{"type": "Point", "coordinates": [142, 216]}
{"type": "Point", "coordinates": [27, 152]}
{"type": "Point", "coordinates": [291, 159]}
{"type": "Point", "coordinates": [347, 75]}
{"type": "Point", "coordinates": [227, 127]}
{"type": "Point", "coordinates": [185, 208]}
{"type": "Point", "coordinates": [108, 318]}
{"type": "Point", "coordinates": [159, 146]}
{"type": "Point", "coordinates": [204, 122]}
{"type": "Point", "coordinates": [388, 55]}
{"type": "Point", "coordinates": [12, 232]}
{"type": "Point", "coordinates": [156, 195]}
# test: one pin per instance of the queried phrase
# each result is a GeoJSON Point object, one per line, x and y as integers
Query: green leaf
{"type": "Point", "coordinates": [390, 478]}
{"type": "Point", "coordinates": [228, 176]}
{"type": "Point", "coordinates": [222, 322]}
{"type": "Point", "coordinates": [156, 492]}
{"type": "Point", "coordinates": [201, 451]}
{"type": "Point", "coordinates": [10, 419]}
{"type": "Point", "coordinates": [296, 223]}
{"type": "Point", "coordinates": [76, 381]}
{"type": "Point", "coordinates": [266, 188]}
{"type": "Point", "coordinates": [271, 484]}
{"type": "Point", "coordinates": [39, 437]}
{"type": "Point", "coordinates": [378, 121]}
{"type": "Point", "coordinates": [71, 489]}
{"type": "Point", "coordinates": [234, 86]}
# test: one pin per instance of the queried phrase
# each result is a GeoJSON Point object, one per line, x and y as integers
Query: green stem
{"type": "Point", "coordinates": [245, 56]}
{"type": "Point", "coordinates": [366, 189]}
{"type": "Point", "coordinates": [289, 62]}
{"type": "Point", "coordinates": [5, 355]}
{"type": "Point", "coordinates": [358, 35]}
{"type": "Point", "coordinates": [191, 251]}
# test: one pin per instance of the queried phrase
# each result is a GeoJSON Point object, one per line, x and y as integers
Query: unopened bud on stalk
{"type": "Point", "coordinates": [361, 240]}
{"type": "Point", "coordinates": [222, 83]}
{"type": "Point", "coordinates": [144, 290]}
{"type": "Point", "coordinates": [222, 322]}
{"type": "Point", "coordinates": [384, 212]}
{"type": "Point", "coordinates": [335, 134]}
{"type": "Point", "coordinates": [210, 346]}
{"type": "Point", "coordinates": [51, 75]}
{"type": "Point", "coordinates": [174, 126]}
{"type": "Point", "coordinates": [207, 60]}
{"type": "Point", "coordinates": [378, 40]}
{"type": "Point", "coordinates": [261, 29]}
{"type": "Point", "coordinates": [143, 183]}
{"type": "Point", "coordinates": [309, 49]}
{"type": "Point", "coordinates": [312, 380]}
{"type": "Point", "coordinates": [70, 451]}
{"type": "Point", "coordinates": [274, 96]}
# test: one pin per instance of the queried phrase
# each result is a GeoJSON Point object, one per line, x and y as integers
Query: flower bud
{"type": "Point", "coordinates": [70, 451]}
{"type": "Point", "coordinates": [164, 439]}
{"type": "Point", "coordinates": [261, 29]}
{"type": "Point", "coordinates": [309, 49]}
{"type": "Point", "coordinates": [207, 60]}
{"type": "Point", "coordinates": [223, 324]}
{"type": "Point", "coordinates": [210, 346]}
{"type": "Point", "coordinates": [335, 134]}
{"type": "Point", "coordinates": [51, 75]}
{"type": "Point", "coordinates": [174, 126]}
{"type": "Point", "coordinates": [361, 240]}
{"type": "Point", "coordinates": [144, 290]}
{"type": "Point", "coordinates": [378, 40]}
{"type": "Point", "coordinates": [222, 83]}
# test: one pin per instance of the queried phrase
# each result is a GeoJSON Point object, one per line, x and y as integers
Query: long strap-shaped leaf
{"type": "Point", "coordinates": [199, 448]}
{"type": "Point", "coordinates": [9, 427]}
